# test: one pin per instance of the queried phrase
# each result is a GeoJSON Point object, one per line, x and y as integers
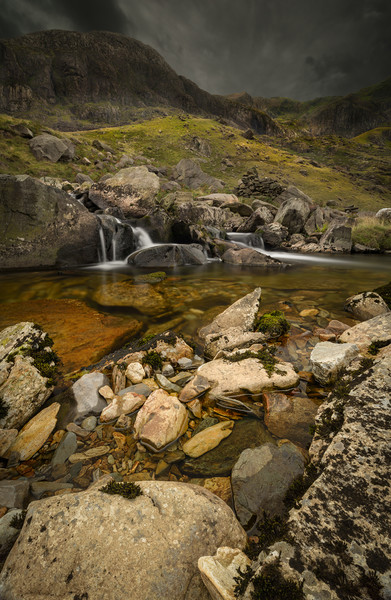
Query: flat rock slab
{"type": "Point", "coordinates": [227, 377]}
{"type": "Point", "coordinates": [261, 478]}
{"type": "Point", "coordinates": [35, 433]}
{"type": "Point", "coordinates": [246, 433]}
{"type": "Point", "coordinates": [375, 329]}
{"type": "Point", "coordinates": [154, 541]}
{"type": "Point", "coordinates": [328, 359]}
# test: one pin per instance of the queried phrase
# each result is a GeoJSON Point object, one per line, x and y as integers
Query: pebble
{"type": "Point", "coordinates": [89, 423]}
{"type": "Point", "coordinates": [185, 363]}
{"type": "Point", "coordinates": [78, 430]}
{"type": "Point", "coordinates": [66, 448]}
{"type": "Point", "coordinates": [166, 384]}
{"type": "Point", "coordinates": [168, 370]}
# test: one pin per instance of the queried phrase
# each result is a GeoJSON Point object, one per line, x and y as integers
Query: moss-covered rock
{"type": "Point", "coordinates": [273, 323]}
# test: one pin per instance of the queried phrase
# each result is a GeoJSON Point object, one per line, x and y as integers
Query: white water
{"type": "Point", "coordinates": [143, 239]}
{"type": "Point", "coordinates": [103, 253]}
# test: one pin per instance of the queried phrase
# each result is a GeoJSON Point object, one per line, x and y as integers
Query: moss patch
{"type": "Point", "coordinates": [377, 345]}
{"type": "Point", "coordinates": [270, 584]}
{"type": "Point", "coordinates": [127, 490]}
{"type": "Point", "coordinates": [273, 324]}
{"type": "Point", "coordinates": [265, 356]}
{"type": "Point", "coordinates": [153, 359]}
{"type": "Point", "coordinates": [18, 520]}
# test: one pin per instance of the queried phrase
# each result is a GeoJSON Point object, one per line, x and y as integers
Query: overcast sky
{"type": "Point", "coordinates": [296, 48]}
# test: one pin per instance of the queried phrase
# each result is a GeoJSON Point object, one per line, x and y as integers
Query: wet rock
{"type": "Point", "coordinates": [83, 433]}
{"type": "Point", "coordinates": [246, 433]}
{"type": "Point", "coordinates": [143, 297]}
{"type": "Point", "coordinates": [337, 327]}
{"type": "Point", "coordinates": [207, 439]}
{"type": "Point", "coordinates": [366, 305]}
{"type": "Point", "coordinates": [261, 478]}
{"type": "Point", "coordinates": [185, 363]}
{"type": "Point", "coordinates": [88, 454]}
{"type": "Point", "coordinates": [122, 405]}
{"type": "Point", "coordinates": [168, 255]}
{"type": "Point", "coordinates": [249, 374]}
{"type": "Point", "coordinates": [240, 314]}
{"type": "Point", "coordinates": [274, 235]}
{"type": "Point", "coordinates": [35, 433]}
{"type": "Point", "coordinates": [375, 329]}
{"type": "Point", "coordinates": [14, 493]}
{"type": "Point", "coordinates": [166, 384]}
{"type": "Point", "coordinates": [195, 388]}
{"type": "Point", "coordinates": [50, 147]}
{"type": "Point", "coordinates": [168, 370]}
{"type": "Point", "coordinates": [250, 257]}
{"type": "Point", "coordinates": [328, 359]}
{"type": "Point", "coordinates": [89, 423]}
{"type": "Point", "coordinates": [66, 447]}
{"type": "Point", "coordinates": [39, 488]}
{"type": "Point", "coordinates": [86, 394]}
{"type": "Point", "coordinates": [290, 416]}
{"type": "Point", "coordinates": [161, 420]}
{"type": "Point", "coordinates": [218, 572]}
{"type": "Point", "coordinates": [233, 338]}
{"type": "Point", "coordinates": [140, 388]}
{"type": "Point", "coordinates": [158, 560]}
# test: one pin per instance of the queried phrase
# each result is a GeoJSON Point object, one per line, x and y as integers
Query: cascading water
{"type": "Point", "coordinates": [143, 239]}
{"type": "Point", "coordinates": [247, 240]}
{"type": "Point", "coordinates": [102, 252]}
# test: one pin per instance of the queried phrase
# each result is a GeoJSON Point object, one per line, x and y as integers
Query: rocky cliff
{"type": "Point", "coordinates": [97, 76]}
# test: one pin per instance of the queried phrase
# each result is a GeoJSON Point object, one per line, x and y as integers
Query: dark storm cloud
{"type": "Point", "coordinates": [301, 48]}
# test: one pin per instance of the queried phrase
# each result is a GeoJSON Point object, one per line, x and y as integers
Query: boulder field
{"type": "Point", "coordinates": [157, 460]}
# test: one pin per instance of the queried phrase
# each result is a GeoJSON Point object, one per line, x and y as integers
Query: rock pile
{"type": "Point", "coordinates": [252, 185]}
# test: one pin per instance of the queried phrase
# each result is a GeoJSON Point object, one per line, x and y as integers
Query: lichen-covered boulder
{"type": "Point", "coordinates": [366, 305]}
{"type": "Point", "coordinates": [374, 330]}
{"type": "Point", "coordinates": [328, 359]}
{"type": "Point", "coordinates": [109, 546]}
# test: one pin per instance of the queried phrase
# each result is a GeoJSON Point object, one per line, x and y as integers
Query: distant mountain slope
{"type": "Point", "coordinates": [98, 76]}
{"type": "Point", "coordinates": [348, 115]}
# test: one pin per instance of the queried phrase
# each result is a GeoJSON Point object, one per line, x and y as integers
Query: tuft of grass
{"type": "Point", "coordinates": [127, 490]}
{"type": "Point", "coordinates": [370, 232]}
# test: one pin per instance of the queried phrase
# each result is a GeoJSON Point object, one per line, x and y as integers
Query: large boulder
{"type": "Point", "coordinates": [132, 190]}
{"type": "Point", "coordinates": [209, 216]}
{"type": "Point", "coordinates": [189, 173]}
{"type": "Point", "coordinates": [338, 236]}
{"type": "Point", "coordinates": [329, 359]}
{"type": "Point", "coordinates": [50, 147]}
{"type": "Point", "coordinates": [261, 216]}
{"type": "Point", "coordinates": [293, 214]}
{"type": "Point", "coordinates": [261, 478]}
{"type": "Point", "coordinates": [144, 548]}
{"type": "Point", "coordinates": [41, 226]}
{"type": "Point", "coordinates": [250, 257]}
{"type": "Point", "coordinates": [168, 255]}
{"type": "Point", "coordinates": [366, 305]}
{"type": "Point", "coordinates": [274, 235]}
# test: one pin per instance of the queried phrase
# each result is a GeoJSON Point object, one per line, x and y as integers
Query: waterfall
{"type": "Point", "coordinates": [252, 240]}
{"type": "Point", "coordinates": [118, 239]}
{"type": "Point", "coordinates": [103, 253]}
{"type": "Point", "coordinates": [143, 239]}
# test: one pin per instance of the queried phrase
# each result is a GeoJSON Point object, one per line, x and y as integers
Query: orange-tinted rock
{"type": "Point", "coordinates": [81, 334]}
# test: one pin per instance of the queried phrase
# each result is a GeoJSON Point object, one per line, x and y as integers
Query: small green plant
{"type": "Point", "coordinates": [153, 359]}
{"type": "Point", "coordinates": [18, 520]}
{"type": "Point", "coordinates": [273, 323]}
{"type": "Point", "coordinates": [323, 228]}
{"type": "Point", "coordinates": [377, 345]}
{"type": "Point", "coordinates": [370, 232]}
{"type": "Point", "coordinates": [147, 338]}
{"type": "Point", "coordinates": [127, 490]}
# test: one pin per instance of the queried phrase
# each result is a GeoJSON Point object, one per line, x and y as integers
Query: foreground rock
{"type": "Point", "coordinates": [50, 147]}
{"type": "Point", "coordinates": [218, 572]}
{"type": "Point", "coordinates": [240, 314]}
{"type": "Point", "coordinates": [328, 359]}
{"type": "Point", "coordinates": [374, 330]}
{"type": "Point", "coordinates": [35, 433]}
{"type": "Point", "coordinates": [41, 226]}
{"type": "Point", "coordinates": [261, 478]}
{"type": "Point", "coordinates": [23, 388]}
{"type": "Point", "coordinates": [168, 255]}
{"type": "Point", "coordinates": [154, 541]}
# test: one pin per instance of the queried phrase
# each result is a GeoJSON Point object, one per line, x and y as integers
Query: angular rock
{"type": "Point", "coordinates": [261, 478]}
{"type": "Point", "coordinates": [232, 338]}
{"type": "Point", "coordinates": [122, 405]}
{"type": "Point", "coordinates": [195, 388]}
{"type": "Point", "coordinates": [338, 236]}
{"type": "Point", "coordinates": [50, 147]}
{"type": "Point", "coordinates": [218, 572]}
{"type": "Point", "coordinates": [274, 234]}
{"type": "Point", "coordinates": [35, 433]}
{"type": "Point", "coordinates": [158, 561]}
{"type": "Point", "coordinates": [168, 255]}
{"type": "Point", "coordinates": [66, 447]}
{"type": "Point", "coordinates": [260, 217]}
{"type": "Point", "coordinates": [89, 423]}
{"type": "Point", "coordinates": [328, 359]}
{"type": "Point", "coordinates": [240, 314]}
{"type": "Point", "coordinates": [207, 439]}
{"type": "Point", "coordinates": [86, 394]}
{"type": "Point", "coordinates": [247, 375]}
{"type": "Point", "coordinates": [219, 199]}
{"type": "Point", "coordinates": [293, 214]}
{"type": "Point", "coordinates": [189, 173]}
{"type": "Point", "coordinates": [14, 493]}
{"type": "Point", "coordinates": [166, 384]}
{"type": "Point", "coordinates": [161, 420]}
{"type": "Point", "coordinates": [366, 305]}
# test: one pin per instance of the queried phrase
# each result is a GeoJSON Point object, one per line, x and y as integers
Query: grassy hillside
{"type": "Point", "coordinates": [342, 174]}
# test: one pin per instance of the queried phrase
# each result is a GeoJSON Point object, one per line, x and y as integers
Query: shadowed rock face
{"type": "Point", "coordinates": [102, 67]}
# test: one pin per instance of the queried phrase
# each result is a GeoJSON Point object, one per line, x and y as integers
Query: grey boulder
{"type": "Point", "coordinates": [50, 147]}
{"type": "Point", "coordinates": [168, 255]}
